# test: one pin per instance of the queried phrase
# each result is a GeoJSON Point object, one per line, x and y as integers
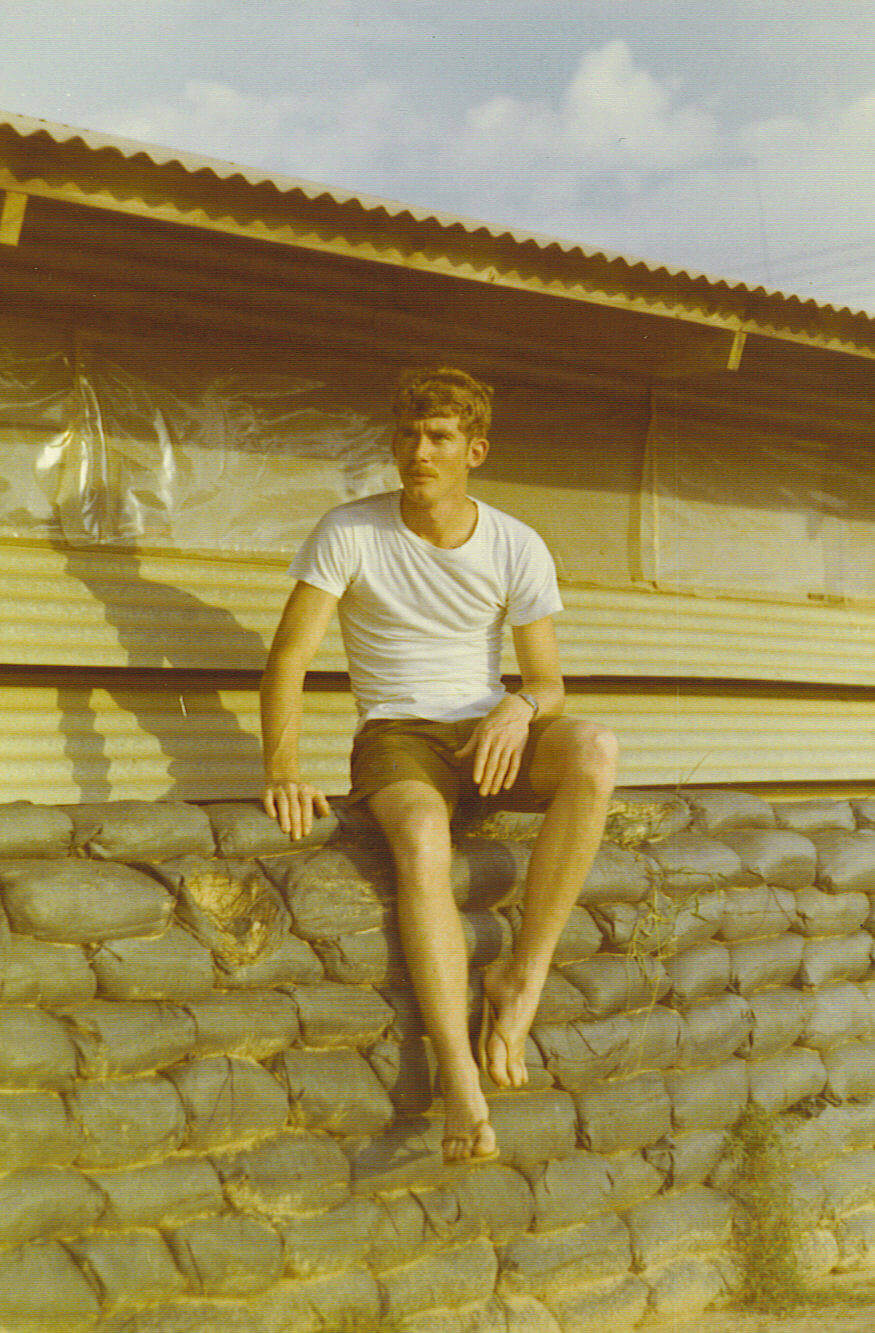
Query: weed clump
{"type": "Point", "coordinates": [767, 1236]}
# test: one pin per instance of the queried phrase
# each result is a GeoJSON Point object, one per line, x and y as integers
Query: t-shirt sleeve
{"type": "Point", "coordinates": [325, 559]}
{"type": "Point", "coordinates": [534, 590]}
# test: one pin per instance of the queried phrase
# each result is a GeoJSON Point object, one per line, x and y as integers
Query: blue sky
{"type": "Point", "coordinates": [736, 139]}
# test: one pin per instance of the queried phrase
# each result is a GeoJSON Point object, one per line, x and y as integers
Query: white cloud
{"type": "Point", "coordinates": [617, 159]}
{"type": "Point", "coordinates": [612, 117]}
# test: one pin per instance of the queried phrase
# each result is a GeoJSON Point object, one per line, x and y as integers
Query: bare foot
{"type": "Point", "coordinates": [468, 1134]}
{"type": "Point", "coordinates": [511, 1007]}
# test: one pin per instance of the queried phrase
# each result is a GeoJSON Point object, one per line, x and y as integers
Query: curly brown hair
{"type": "Point", "coordinates": [445, 391]}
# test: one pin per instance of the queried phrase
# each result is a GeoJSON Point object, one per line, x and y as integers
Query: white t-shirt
{"type": "Point", "coordinates": [422, 627]}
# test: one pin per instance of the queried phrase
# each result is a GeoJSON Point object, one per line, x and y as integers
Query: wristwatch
{"type": "Point", "coordinates": [531, 700]}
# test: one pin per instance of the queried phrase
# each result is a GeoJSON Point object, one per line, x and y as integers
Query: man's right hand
{"type": "Point", "coordinates": [292, 805]}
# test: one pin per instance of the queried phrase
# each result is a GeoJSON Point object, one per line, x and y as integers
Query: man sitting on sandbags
{"type": "Point", "coordinates": [423, 579]}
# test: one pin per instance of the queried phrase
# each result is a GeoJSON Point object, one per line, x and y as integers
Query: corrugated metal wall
{"type": "Point", "coordinates": [92, 608]}
{"type": "Point", "coordinates": [81, 744]}
{"type": "Point", "coordinates": [85, 738]}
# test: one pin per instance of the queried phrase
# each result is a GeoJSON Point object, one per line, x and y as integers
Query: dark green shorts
{"type": "Point", "coordinates": [386, 751]}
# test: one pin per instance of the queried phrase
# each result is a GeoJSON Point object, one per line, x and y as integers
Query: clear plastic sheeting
{"type": "Point", "coordinates": [735, 506]}
{"type": "Point", "coordinates": [186, 451]}
{"type": "Point", "coordinates": [221, 449]}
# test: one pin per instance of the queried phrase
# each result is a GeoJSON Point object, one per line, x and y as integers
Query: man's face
{"type": "Point", "coordinates": [434, 457]}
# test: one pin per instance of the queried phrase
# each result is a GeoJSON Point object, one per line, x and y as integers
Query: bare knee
{"type": "Point", "coordinates": [590, 754]}
{"type": "Point", "coordinates": [416, 825]}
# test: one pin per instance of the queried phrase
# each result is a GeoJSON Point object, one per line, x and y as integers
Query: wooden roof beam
{"type": "Point", "coordinates": [12, 216]}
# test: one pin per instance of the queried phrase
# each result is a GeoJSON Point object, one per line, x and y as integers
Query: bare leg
{"type": "Point", "coordinates": [415, 821]}
{"type": "Point", "coordinates": [576, 763]}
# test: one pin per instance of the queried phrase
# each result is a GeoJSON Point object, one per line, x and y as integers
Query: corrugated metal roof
{"type": "Point", "coordinates": [782, 308]}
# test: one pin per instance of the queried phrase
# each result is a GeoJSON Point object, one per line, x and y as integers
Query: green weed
{"type": "Point", "coordinates": [767, 1235]}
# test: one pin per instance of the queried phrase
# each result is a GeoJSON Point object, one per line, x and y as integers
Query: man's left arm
{"type": "Point", "coordinates": [498, 741]}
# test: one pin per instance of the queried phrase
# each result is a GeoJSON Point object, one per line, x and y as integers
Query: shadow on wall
{"type": "Point", "coordinates": [161, 626]}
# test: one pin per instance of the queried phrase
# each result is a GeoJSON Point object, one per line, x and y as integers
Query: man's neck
{"type": "Point", "coordinates": [446, 524]}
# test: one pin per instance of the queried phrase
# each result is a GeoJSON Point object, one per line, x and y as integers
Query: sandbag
{"type": "Point", "coordinates": [840, 958]}
{"type": "Point", "coordinates": [849, 1182]}
{"type": "Point", "coordinates": [619, 874]}
{"type": "Point", "coordinates": [285, 1174]}
{"type": "Point", "coordinates": [132, 1268]}
{"type": "Point", "coordinates": [690, 1222]}
{"type": "Point", "coordinates": [40, 1284]}
{"type": "Point", "coordinates": [685, 1288]}
{"type": "Point", "coordinates": [715, 812]}
{"type": "Point", "coordinates": [812, 816]}
{"type": "Point", "coordinates": [335, 1090]}
{"type": "Point", "coordinates": [128, 1038]}
{"type": "Point", "coordinates": [593, 1307]}
{"type": "Point", "coordinates": [231, 1255]}
{"type": "Point", "coordinates": [755, 964]}
{"type": "Point", "coordinates": [42, 1203]}
{"type": "Point", "coordinates": [623, 1114]}
{"type": "Point", "coordinates": [327, 1241]}
{"type": "Point", "coordinates": [783, 1080]}
{"type": "Point", "coordinates": [688, 1159]}
{"type": "Point", "coordinates": [227, 1099]}
{"type": "Point", "coordinates": [28, 830]}
{"type": "Point", "coordinates": [156, 1195]}
{"type": "Point", "coordinates": [756, 912]}
{"type": "Point", "coordinates": [243, 828]}
{"type": "Point", "coordinates": [569, 1190]}
{"type": "Point", "coordinates": [661, 924]}
{"type": "Point", "coordinates": [334, 1015]}
{"type": "Point", "coordinates": [836, 1014]}
{"type": "Point", "coordinates": [38, 972]}
{"type": "Point", "coordinates": [229, 907]}
{"type": "Point", "coordinates": [697, 972]}
{"type": "Point", "coordinates": [545, 1262]}
{"type": "Point", "coordinates": [257, 1023]}
{"type": "Point", "coordinates": [778, 1017]}
{"type": "Point", "coordinates": [713, 1030]}
{"type": "Point", "coordinates": [775, 856]}
{"type": "Point", "coordinates": [846, 861]}
{"type": "Point", "coordinates": [850, 1071]}
{"type": "Point", "coordinates": [35, 1049]}
{"type": "Point", "coordinates": [708, 1098]}
{"type": "Point", "coordinates": [611, 983]}
{"type": "Point", "coordinates": [74, 901]}
{"type": "Point", "coordinates": [148, 830]}
{"type": "Point", "coordinates": [577, 1054]}
{"type": "Point", "coordinates": [819, 913]}
{"type": "Point", "coordinates": [692, 863]}
{"type": "Point", "coordinates": [832, 1131]}
{"type": "Point", "coordinates": [172, 966]}
{"type": "Point", "coordinates": [654, 1040]}
{"type": "Point", "coordinates": [126, 1120]}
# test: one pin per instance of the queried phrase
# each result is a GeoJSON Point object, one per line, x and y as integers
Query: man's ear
{"type": "Point", "coordinates": [477, 451]}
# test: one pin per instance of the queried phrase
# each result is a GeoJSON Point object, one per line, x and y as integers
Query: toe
{"type": "Point", "coordinates": [484, 1141]}
{"type": "Point", "coordinates": [497, 1062]}
{"type": "Point", "coordinates": [516, 1068]}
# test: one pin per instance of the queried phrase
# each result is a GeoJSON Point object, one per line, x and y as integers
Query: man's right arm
{"type": "Point", "coordinates": [287, 797]}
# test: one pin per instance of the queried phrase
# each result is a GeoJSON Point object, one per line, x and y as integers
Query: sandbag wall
{"type": "Point", "coordinates": [216, 1101]}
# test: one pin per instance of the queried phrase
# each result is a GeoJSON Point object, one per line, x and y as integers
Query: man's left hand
{"type": "Point", "coordinates": [497, 744]}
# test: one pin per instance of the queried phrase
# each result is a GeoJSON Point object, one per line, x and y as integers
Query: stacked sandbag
{"type": "Point", "coordinates": [219, 1110]}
